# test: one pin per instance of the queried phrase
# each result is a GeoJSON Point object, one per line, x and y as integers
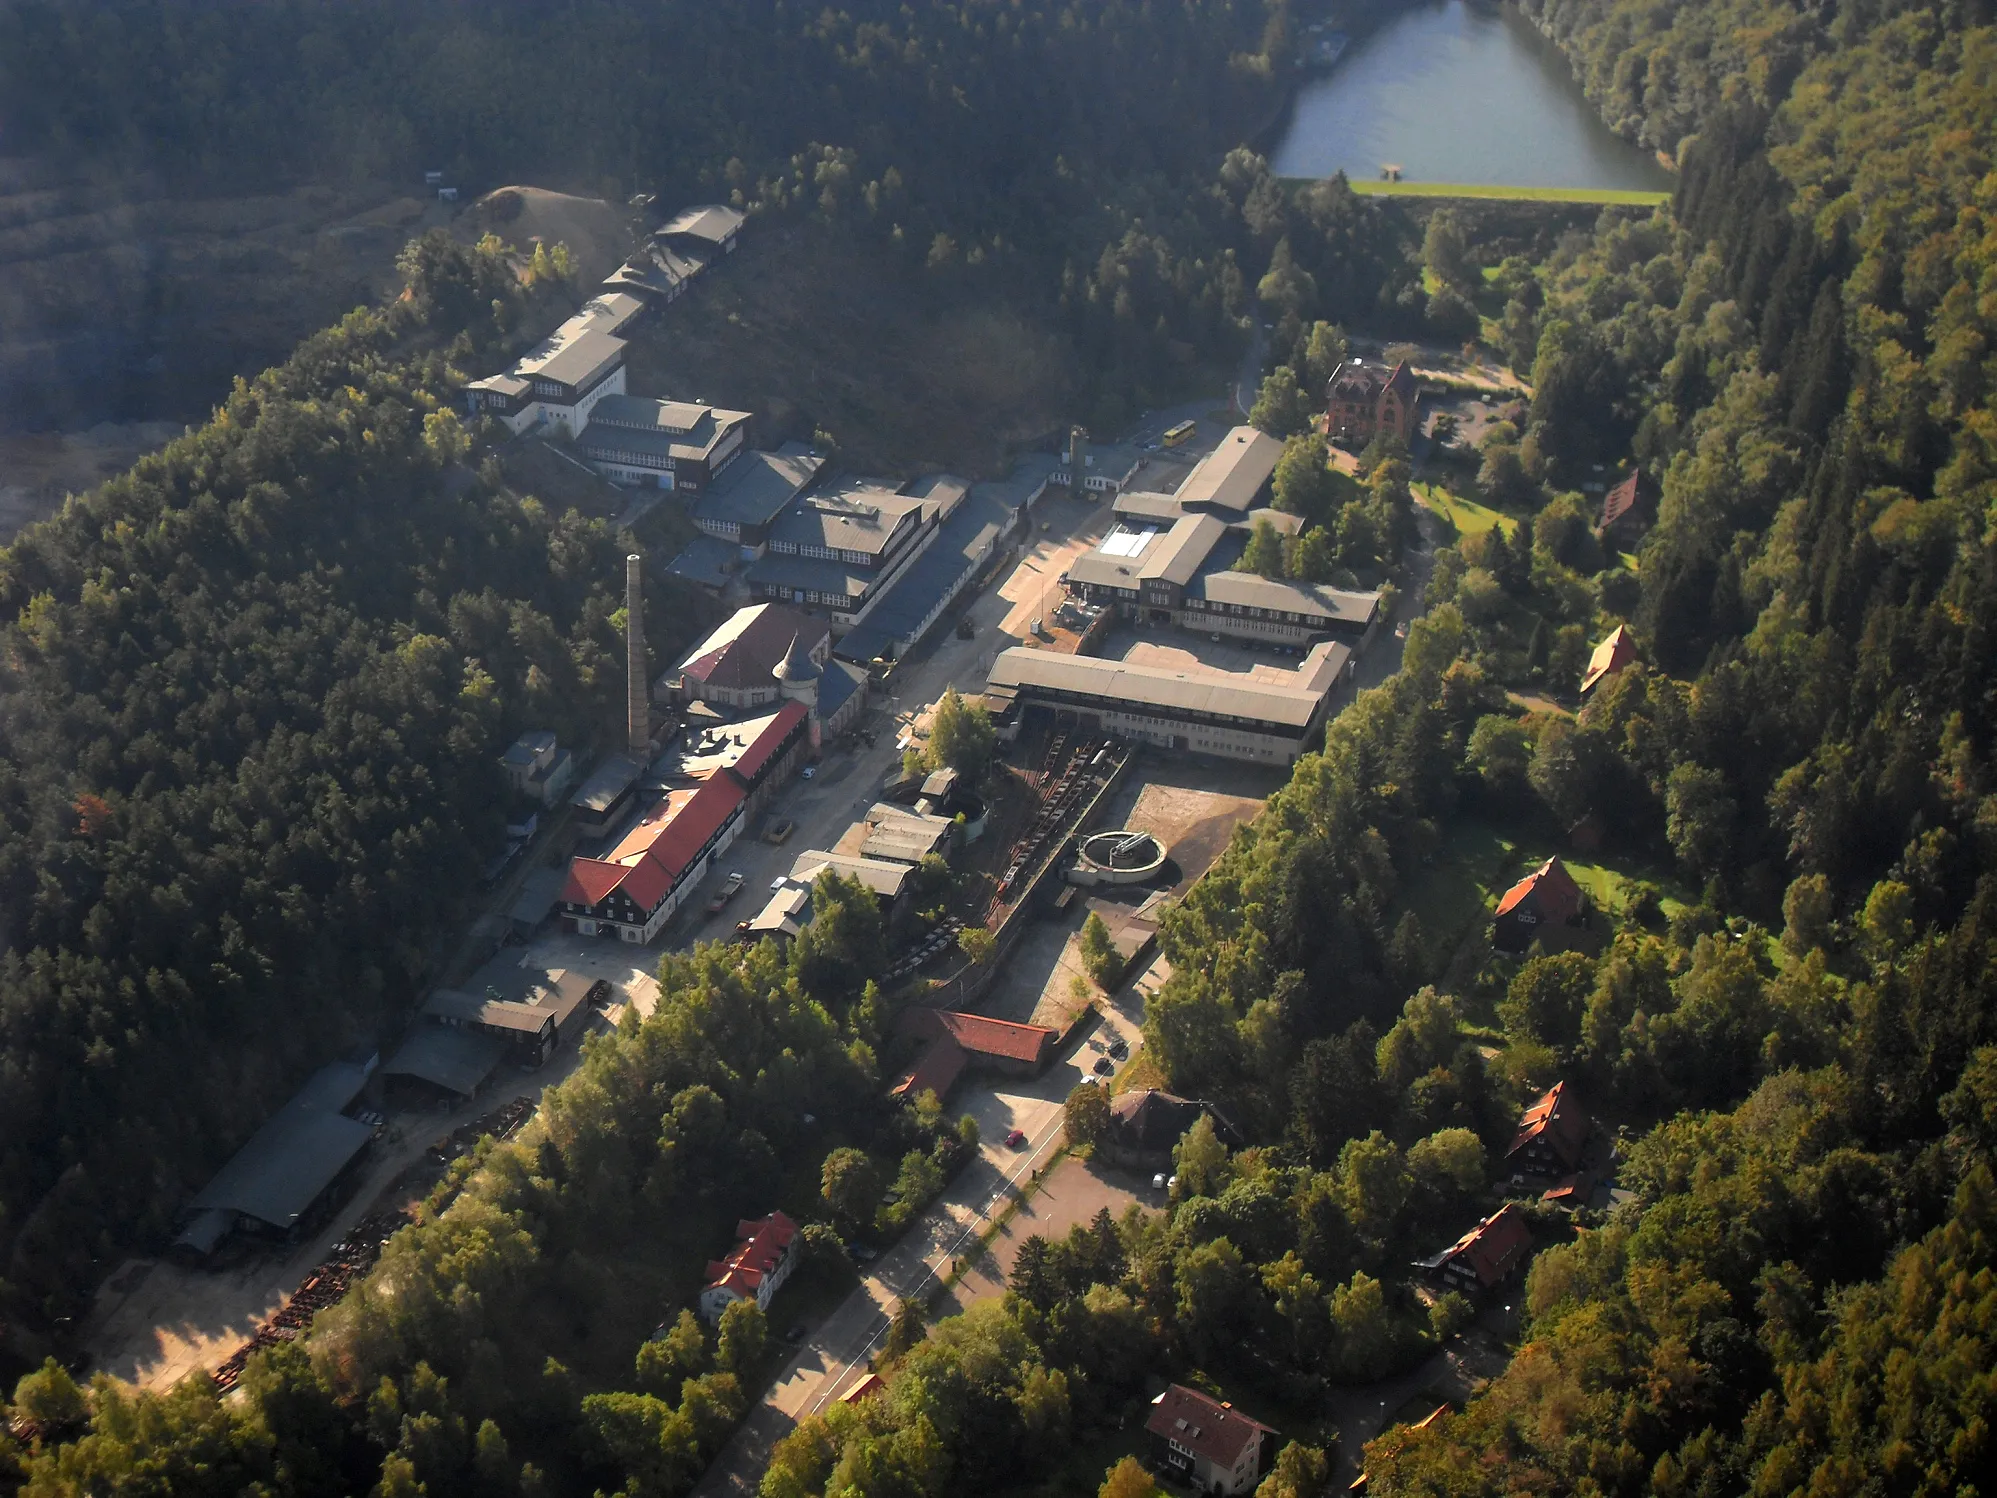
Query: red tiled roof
{"type": "Point", "coordinates": [1559, 897]}
{"type": "Point", "coordinates": [1629, 495]}
{"type": "Point", "coordinates": [1495, 1247]}
{"type": "Point", "coordinates": [936, 1070]}
{"type": "Point", "coordinates": [649, 860]}
{"type": "Point", "coordinates": [998, 1037]}
{"type": "Point", "coordinates": [1556, 1118]}
{"type": "Point", "coordinates": [1609, 657]}
{"type": "Point", "coordinates": [591, 879]}
{"type": "Point", "coordinates": [1216, 1431]}
{"type": "Point", "coordinates": [746, 658]}
{"type": "Point", "coordinates": [758, 1250]}
{"type": "Point", "coordinates": [871, 1384]}
{"type": "Point", "coordinates": [757, 756]}
{"type": "Point", "coordinates": [979, 1035]}
{"type": "Point", "coordinates": [686, 833]}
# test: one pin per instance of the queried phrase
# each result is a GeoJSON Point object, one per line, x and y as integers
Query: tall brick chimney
{"type": "Point", "coordinates": [637, 686]}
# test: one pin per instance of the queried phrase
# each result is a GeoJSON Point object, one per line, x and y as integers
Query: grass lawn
{"type": "Point", "coordinates": [1477, 860]}
{"type": "Point", "coordinates": [1469, 517]}
{"type": "Point", "coordinates": [1628, 195]}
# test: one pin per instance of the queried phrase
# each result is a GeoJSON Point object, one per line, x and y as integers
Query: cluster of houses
{"type": "Point", "coordinates": [870, 555]}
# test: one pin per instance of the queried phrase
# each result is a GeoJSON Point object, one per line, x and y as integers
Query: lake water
{"type": "Point", "coordinates": [1458, 92]}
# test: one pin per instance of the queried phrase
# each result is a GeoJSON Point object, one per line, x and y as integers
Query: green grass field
{"type": "Point", "coordinates": [1477, 860]}
{"type": "Point", "coordinates": [1636, 197]}
{"type": "Point", "coordinates": [1469, 517]}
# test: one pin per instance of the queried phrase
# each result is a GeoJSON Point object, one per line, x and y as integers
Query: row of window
{"type": "Point", "coordinates": [627, 458]}
{"type": "Point", "coordinates": [824, 553]}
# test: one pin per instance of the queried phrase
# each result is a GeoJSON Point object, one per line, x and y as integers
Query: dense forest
{"type": "Point", "coordinates": [1798, 1046]}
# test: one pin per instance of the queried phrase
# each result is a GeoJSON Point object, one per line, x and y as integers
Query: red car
{"type": "Point", "coordinates": [1016, 1138]}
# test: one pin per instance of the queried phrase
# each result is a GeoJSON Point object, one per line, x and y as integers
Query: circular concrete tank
{"type": "Point", "coordinates": [1121, 857]}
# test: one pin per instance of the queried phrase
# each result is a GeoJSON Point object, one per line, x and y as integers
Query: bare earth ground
{"type": "Point", "coordinates": [1193, 806]}
{"type": "Point", "coordinates": [38, 469]}
{"type": "Point", "coordinates": [154, 1322]}
{"type": "Point", "coordinates": [598, 234]}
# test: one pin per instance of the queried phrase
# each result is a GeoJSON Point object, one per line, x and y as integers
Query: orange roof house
{"type": "Point", "coordinates": [762, 1259]}
{"type": "Point", "coordinates": [1488, 1253]}
{"type": "Point", "coordinates": [1614, 653]}
{"type": "Point", "coordinates": [1547, 896]}
{"type": "Point", "coordinates": [1551, 1136]}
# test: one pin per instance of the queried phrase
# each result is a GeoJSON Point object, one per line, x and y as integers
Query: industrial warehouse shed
{"type": "Point", "coordinates": [294, 1164]}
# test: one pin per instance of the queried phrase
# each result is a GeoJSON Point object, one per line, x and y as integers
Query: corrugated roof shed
{"type": "Point", "coordinates": [1157, 687]}
{"type": "Point", "coordinates": [1233, 475]}
{"type": "Point", "coordinates": [280, 1172]}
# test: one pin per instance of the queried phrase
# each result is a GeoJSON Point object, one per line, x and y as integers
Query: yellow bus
{"type": "Point", "coordinates": [1178, 434]}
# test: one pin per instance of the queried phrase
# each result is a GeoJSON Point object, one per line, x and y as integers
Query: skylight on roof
{"type": "Point", "coordinates": [1122, 542]}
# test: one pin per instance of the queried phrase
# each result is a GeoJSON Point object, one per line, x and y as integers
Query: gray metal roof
{"type": "Point", "coordinates": [1213, 693]}
{"type": "Point", "coordinates": [883, 878]}
{"type": "Point", "coordinates": [1313, 600]}
{"type": "Point", "coordinates": [707, 561]}
{"type": "Point", "coordinates": [574, 355]}
{"type": "Point", "coordinates": [481, 1009]}
{"type": "Point", "coordinates": [612, 778]}
{"type": "Point", "coordinates": [1177, 555]}
{"type": "Point", "coordinates": [1232, 475]}
{"type": "Point", "coordinates": [635, 424]}
{"type": "Point", "coordinates": [612, 311]}
{"type": "Point", "coordinates": [687, 419]}
{"type": "Point", "coordinates": [1142, 504]}
{"type": "Point", "coordinates": [757, 486]}
{"type": "Point", "coordinates": [812, 575]}
{"type": "Point", "coordinates": [277, 1176]}
{"type": "Point", "coordinates": [859, 515]}
{"type": "Point", "coordinates": [454, 1059]}
{"type": "Point", "coordinates": [712, 222]}
{"type": "Point", "coordinates": [961, 546]}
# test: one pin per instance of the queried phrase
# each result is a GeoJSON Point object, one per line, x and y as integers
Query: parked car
{"type": "Point", "coordinates": [778, 835]}
{"type": "Point", "coordinates": [807, 772]}
{"type": "Point", "coordinates": [796, 1333]}
{"type": "Point", "coordinates": [1120, 1049]}
{"type": "Point", "coordinates": [1016, 1138]}
{"type": "Point", "coordinates": [1104, 1066]}
{"type": "Point", "coordinates": [1158, 1181]}
{"type": "Point", "coordinates": [730, 888]}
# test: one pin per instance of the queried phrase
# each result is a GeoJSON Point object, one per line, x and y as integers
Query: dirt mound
{"type": "Point", "coordinates": [595, 231]}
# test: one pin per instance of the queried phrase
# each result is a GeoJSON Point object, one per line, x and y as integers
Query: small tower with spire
{"type": "Point", "coordinates": [797, 676]}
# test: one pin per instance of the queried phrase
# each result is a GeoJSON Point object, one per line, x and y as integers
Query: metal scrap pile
{"type": "Point", "coordinates": [350, 1259]}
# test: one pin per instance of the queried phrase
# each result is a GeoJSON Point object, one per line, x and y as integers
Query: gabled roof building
{"type": "Point", "coordinates": [1208, 1443]}
{"type": "Point", "coordinates": [1488, 1254]}
{"type": "Point", "coordinates": [1615, 652]}
{"type": "Point", "coordinates": [1552, 1135]}
{"type": "Point", "coordinates": [735, 665]}
{"type": "Point", "coordinates": [1546, 898]}
{"type": "Point", "coordinates": [765, 1253]}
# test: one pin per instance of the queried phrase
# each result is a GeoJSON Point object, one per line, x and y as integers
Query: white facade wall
{"type": "Point", "coordinates": [1200, 738]}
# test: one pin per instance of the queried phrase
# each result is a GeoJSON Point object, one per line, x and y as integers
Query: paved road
{"type": "Point", "coordinates": [835, 1353]}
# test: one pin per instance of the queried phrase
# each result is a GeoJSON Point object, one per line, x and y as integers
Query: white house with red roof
{"type": "Point", "coordinates": [632, 888]}
{"type": "Point", "coordinates": [1208, 1442]}
{"type": "Point", "coordinates": [765, 1253]}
